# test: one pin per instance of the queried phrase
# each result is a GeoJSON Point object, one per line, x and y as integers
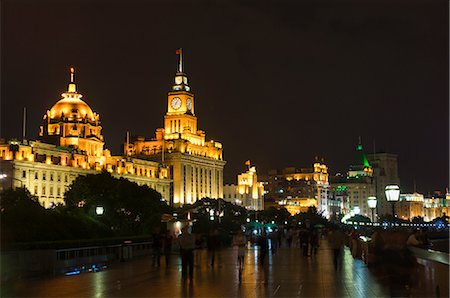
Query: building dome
{"type": "Point", "coordinates": [71, 106]}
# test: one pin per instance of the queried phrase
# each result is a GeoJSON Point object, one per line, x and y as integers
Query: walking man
{"type": "Point", "coordinates": [187, 245]}
{"type": "Point", "coordinates": [336, 241]}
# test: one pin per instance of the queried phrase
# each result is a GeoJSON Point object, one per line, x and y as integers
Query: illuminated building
{"type": "Point", "coordinates": [409, 206]}
{"type": "Point", "coordinates": [338, 200]}
{"type": "Point", "coordinates": [248, 193]}
{"type": "Point", "coordinates": [196, 164]}
{"type": "Point", "coordinates": [435, 206]}
{"type": "Point", "coordinates": [385, 172]}
{"type": "Point", "coordinates": [358, 185]}
{"type": "Point", "coordinates": [298, 189]}
{"type": "Point", "coordinates": [71, 144]}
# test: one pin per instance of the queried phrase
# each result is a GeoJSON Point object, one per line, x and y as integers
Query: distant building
{"type": "Point", "coordinates": [357, 186]}
{"type": "Point", "coordinates": [385, 172]}
{"type": "Point", "coordinates": [195, 163]}
{"type": "Point", "coordinates": [248, 192]}
{"type": "Point", "coordinates": [298, 189]}
{"type": "Point", "coordinates": [70, 144]}
{"type": "Point", "coordinates": [338, 200]}
{"type": "Point", "coordinates": [435, 205]}
{"type": "Point", "coordinates": [409, 206]}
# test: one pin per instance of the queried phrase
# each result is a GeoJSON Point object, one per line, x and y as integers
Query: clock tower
{"type": "Point", "coordinates": [180, 117]}
{"type": "Point", "coordinates": [196, 165]}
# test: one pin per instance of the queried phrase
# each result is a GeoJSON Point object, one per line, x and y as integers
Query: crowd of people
{"type": "Point", "coordinates": [389, 246]}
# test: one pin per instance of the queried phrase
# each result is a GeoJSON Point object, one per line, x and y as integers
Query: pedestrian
{"type": "Point", "coordinates": [263, 247]}
{"type": "Point", "coordinates": [273, 242]}
{"type": "Point", "coordinates": [304, 241]}
{"type": "Point", "coordinates": [314, 241]}
{"type": "Point", "coordinates": [415, 239]}
{"type": "Point", "coordinates": [156, 248]}
{"type": "Point", "coordinates": [289, 236]}
{"type": "Point", "coordinates": [280, 236]}
{"type": "Point", "coordinates": [167, 247]}
{"type": "Point", "coordinates": [239, 241]}
{"type": "Point", "coordinates": [336, 242]}
{"type": "Point", "coordinates": [186, 240]}
{"type": "Point", "coordinates": [212, 243]}
{"type": "Point", "coordinates": [355, 250]}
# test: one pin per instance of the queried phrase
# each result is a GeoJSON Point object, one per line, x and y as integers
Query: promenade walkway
{"type": "Point", "coordinates": [285, 274]}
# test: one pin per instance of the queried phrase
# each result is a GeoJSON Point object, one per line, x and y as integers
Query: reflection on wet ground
{"type": "Point", "coordinates": [285, 274]}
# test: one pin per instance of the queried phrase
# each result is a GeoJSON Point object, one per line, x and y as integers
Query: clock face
{"type": "Point", "coordinates": [189, 104]}
{"type": "Point", "coordinates": [176, 103]}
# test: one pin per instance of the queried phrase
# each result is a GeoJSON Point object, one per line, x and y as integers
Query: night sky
{"type": "Point", "coordinates": [277, 82]}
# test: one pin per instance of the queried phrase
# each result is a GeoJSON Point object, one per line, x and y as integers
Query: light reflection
{"type": "Point", "coordinates": [99, 284]}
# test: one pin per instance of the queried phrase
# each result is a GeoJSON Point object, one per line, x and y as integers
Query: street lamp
{"type": "Point", "coordinates": [372, 202]}
{"type": "Point", "coordinates": [99, 210]}
{"type": "Point", "coordinates": [392, 195]}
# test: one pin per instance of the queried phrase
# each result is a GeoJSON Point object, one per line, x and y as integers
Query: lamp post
{"type": "Point", "coordinates": [372, 202]}
{"type": "Point", "coordinates": [99, 210]}
{"type": "Point", "coordinates": [392, 195]}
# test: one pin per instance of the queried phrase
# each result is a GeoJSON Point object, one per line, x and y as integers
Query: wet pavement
{"type": "Point", "coordinates": [285, 274]}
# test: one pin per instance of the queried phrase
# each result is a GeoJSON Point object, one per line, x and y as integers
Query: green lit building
{"type": "Point", "coordinates": [354, 188]}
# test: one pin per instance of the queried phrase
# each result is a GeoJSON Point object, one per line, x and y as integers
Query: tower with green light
{"type": "Point", "coordinates": [361, 166]}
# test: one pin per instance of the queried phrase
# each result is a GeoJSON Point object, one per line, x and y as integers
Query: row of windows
{"type": "Point", "coordinates": [51, 193]}
{"type": "Point", "coordinates": [44, 176]}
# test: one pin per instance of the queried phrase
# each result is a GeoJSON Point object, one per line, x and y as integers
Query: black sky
{"type": "Point", "coordinates": [277, 82]}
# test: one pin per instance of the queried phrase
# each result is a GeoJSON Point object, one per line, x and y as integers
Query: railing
{"type": "Point", "coordinates": [29, 263]}
{"type": "Point", "coordinates": [432, 270]}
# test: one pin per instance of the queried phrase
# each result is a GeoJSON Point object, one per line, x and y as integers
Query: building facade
{"type": "Point", "coordinates": [71, 144]}
{"type": "Point", "coordinates": [298, 189]}
{"type": "Point", "coordinates": [385, 172]}
{"type": "Point", "coordinates": [355, 187]}
{"type": "Point", "coordinates": [248, 192]}
{"type": "Point", "coordinates": [195, 163]}
{"type": "Point", "coordinates": [409, 206]}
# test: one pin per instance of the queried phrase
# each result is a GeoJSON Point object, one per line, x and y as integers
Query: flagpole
{"type": "Point", "coordinates": [181, 60]}
{"type": "Point", "coordinates": [128, 143]}
{"type": "Point", "coordinates": [24, 128]}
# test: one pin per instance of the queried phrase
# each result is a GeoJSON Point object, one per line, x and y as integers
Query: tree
{"type": "Point", "coordinates": [129, 209]}
{"type": "Point", "coordinates": [23, 219]}
{"type": "Point", "coordinates": [313, 217]}
{"type": "Point", "coordinates": [417, 220]}
{"type": "Point", "coordinates": [218, 212]}
{"type": "Point", "coordinates": [278, 215]}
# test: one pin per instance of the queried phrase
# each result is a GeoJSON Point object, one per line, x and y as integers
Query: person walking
{"type": "Point", "coordinates": [212, 243]}
{"type": "Point", "coordinates": [314, 241]}
{"type": "Point", "coordinates": [263, 247]}
{"type": "Point", "coordinates": [280, 232]}
{"type": "Point", "coordinates": [289, 236]}
{"type": "Point", "coordinates": [304, 241]}
{"type": "Point", "coordinates": [167, 247]}
{"type": "Point", "coordinates": [239, 241]}
{"type": "Point", "coordinates": [187, 245]}
{"type": "Point", "coordinates": [156, 248]}
{"type": "Point", "coordinates": [336, 242]}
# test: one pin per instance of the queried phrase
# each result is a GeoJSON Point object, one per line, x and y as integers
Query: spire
{"type": "Point", "coordinates": [180, 61]}
{"type": "Point", "coordinates": [181, 80]}
{"type": "Point", "coordinates": [359, 147]}
{"type": "Point", "coordinates": [72, 86]}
